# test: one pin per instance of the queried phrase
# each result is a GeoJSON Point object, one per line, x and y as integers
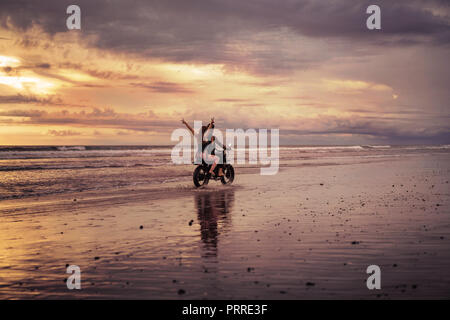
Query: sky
{"type": "Point", "coordinates": [310, 68]}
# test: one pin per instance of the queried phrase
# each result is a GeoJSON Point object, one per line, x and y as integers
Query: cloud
{"type": "Point", "coordinates": [163, 87]}
{"type": "Point", "coordinates": [46, 100]}
{"type": "Point", "coordinates": [352, 85]}
{"type": "Point", "coordinates": [307, 67]}
{"type": "Point", "coordinates": [100, 74]}
{"type": "Point", "coordinates": [63, 133]}
{"type": "Point", "coordinates": [232, 100]}
{"type": "Point", "coordinates": [234, 32]}
{"type": "Point", "coordinates": [384, 128]}
{"type": "Point", "coordinates": [24, 99]}
{"type": "Point", "coordinates": [394, 129]}
{"type": "Point", "coordinates": [23, 113]}
{"type": "Point", "coordinates": [98, 118]}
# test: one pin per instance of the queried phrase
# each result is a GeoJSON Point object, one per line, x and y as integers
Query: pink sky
{"type": "Point", "coordinates": [309, 68]}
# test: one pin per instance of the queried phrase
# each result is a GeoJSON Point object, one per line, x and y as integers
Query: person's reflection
{"type": "Point", "coordinates": [213, 209]}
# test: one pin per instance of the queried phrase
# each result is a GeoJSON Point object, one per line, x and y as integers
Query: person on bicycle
{"type": "Point", "coordinates": [208, 143]}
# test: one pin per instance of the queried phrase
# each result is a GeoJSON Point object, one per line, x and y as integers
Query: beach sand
{"type": "Point", "coordinates": [308, 232]}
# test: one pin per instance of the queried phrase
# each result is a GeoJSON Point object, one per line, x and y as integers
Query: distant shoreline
{"type": "Point", "coordinates": [134, 146]}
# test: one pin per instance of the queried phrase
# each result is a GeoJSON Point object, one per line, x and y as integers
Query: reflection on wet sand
{"type": "Point", "coordinates": [213, 211]}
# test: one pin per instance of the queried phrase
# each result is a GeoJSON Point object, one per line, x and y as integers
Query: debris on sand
{"type": "Point", "coordinates": [191, 222]}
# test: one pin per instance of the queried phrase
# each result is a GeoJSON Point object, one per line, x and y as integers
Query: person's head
{"type": "Point", "coordinates": [205, 128]}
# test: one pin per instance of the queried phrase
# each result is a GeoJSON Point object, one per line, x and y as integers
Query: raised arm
{"type": "Point", "coordinates": [188, 126]}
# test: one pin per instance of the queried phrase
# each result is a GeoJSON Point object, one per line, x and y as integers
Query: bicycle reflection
{"type": "Point", "coordinates": [213, 211]}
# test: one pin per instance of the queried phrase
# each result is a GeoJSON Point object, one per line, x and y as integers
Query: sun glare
{"type": "Point", "coordinates": [32, 84]}
{"type": "Point", "coordinates": [9, 61]}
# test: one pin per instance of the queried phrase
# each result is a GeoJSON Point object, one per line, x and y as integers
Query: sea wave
{"type": "Point", "coordinates": [71, 148]}
{"type": "Point", "coordinates": [376, 147]}
{"type": "Point", "coordinates": [63, 167]}
{"type": "Point", "coordinates": [79, 148]}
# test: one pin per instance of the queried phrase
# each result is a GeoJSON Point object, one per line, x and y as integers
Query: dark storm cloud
{"type": "Point", "coordinates": [201, 30]}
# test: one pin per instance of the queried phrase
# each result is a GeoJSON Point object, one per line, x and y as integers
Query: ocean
{"type": "Point", "coordinates": [34, 171]}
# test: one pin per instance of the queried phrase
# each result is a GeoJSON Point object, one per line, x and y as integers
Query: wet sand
{"type": "Point", "coordinates": [308, 232]}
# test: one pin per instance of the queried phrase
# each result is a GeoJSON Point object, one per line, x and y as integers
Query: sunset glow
{"type": "Point", "coordinates": [320, 91]}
